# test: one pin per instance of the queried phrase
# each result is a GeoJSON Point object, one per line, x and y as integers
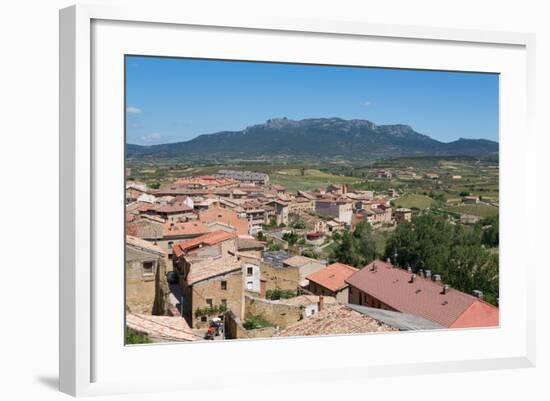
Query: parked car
{"type": "Point", "coordinates": [172, 277]}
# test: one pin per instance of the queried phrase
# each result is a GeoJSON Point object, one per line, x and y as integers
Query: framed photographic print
{"type": "Point", "coordinates": [236, 187]}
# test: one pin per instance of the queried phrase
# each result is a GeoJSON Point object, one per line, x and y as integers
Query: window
{"type": "Point", "coordinates": [203, 318]}
{"type": "Point", "coordinates": [249, 285]}
{"type": "Point", "coordinates": [224, 302]}
{"type": "Point", "coordinates": [224, 285]}
{"type": "Point", "coordinates": [148, 268]}
{"type": "Point", "coordinates": [249, 271]}
{"type": "Point", "coordinates": [209, 302]}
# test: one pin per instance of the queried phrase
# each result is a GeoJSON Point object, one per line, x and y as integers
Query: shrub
{"type": "Point", "coordinates": [134, 337]}
{"type": "Point", "coordinates": [279, 294]}
{"type": "Point", "coordinates": [256, 322]}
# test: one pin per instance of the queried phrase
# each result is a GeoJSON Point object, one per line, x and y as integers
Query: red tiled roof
{"type": "Point", "coordinates": [225, 216]}
{"type": "Point", "coordinates": [335, 319]}
{"type": "Point", "coordinates": [423, 297]}
{"type": "Point", "coordinates": [194, 227]}
{"type": "Point", "coordinates": [209, 239]}
{"type": "Point", "coordinates": [173, 208]}
{"type": "Point", "coordinates": [333, 276]}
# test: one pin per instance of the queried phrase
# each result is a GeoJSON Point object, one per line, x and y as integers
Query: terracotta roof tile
{"type": "Point", "coordinates": [423, 297]}
{"type": "Point", "coordinates": [333, 276]}
{"type": "Point", "coordinates": [209, 239]}
{"type": "Point", "coordinates": [335, 319]}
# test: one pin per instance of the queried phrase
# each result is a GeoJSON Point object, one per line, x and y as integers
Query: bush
{"type": "Point", "coordinates": [134, 337]}
{"type": "Point", "coordinates": [299, 225]}
{"type": "Point", "coordinates": [209, 311]}
{"type": "Point", "coordinates": [279, 294]}
{"type": "Point", "coordinates": [256, 322]}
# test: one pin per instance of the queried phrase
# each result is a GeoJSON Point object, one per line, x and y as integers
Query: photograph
{"type": "Point", "coordinates": [275, 200]}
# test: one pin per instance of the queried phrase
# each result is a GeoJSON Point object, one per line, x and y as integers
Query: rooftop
{"type": "Point", "coordinates": [335, 319]}
{"type": "Point", "coordinates": [297, 261]}
{"type": "Point", "coordinates": [398, 320]}
{"type": "Point", "coordinates": [209, 239]}
{"type": "Point", "coordinates": [423, 297]}
{"type": "Point", "coordinates": [333, 276]}
{"type": "Point", "coordinates": [275, 258]}
{"type": "Point", "coordinates": [144, 245]}
{"type": "Point", "coordinates": [167, 328]}
{"type": "Point", "coordinates": [205, 268]}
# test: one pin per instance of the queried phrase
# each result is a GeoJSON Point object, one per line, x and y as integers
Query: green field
{"type": "Point", "coordinates": [308, 179]}
{"type": "Point", "coordinates": [415, 201]}
{"type": "Point", "coordinates": [475, 210]}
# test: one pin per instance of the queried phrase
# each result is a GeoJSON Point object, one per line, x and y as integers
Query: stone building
{"type": "Point", "coordinates": [331, 281]}
{"type": "Point", "coordinates": [146, 290]}
{"type": "Point", "coordinates": [211, 277]}
{"type": "Point", "coordinates": [338, 209]}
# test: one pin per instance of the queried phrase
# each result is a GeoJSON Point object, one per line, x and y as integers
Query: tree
{"type": "Point", "coordinates": [455, 252]}
{"type": "Point", "coordinates": [355, 248]}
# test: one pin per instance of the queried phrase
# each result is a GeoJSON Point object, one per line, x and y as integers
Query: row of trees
{"type": "Point", "coordinates": [461, 255]}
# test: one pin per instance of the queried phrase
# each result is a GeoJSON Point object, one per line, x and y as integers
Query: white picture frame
{"type": "Point", "coordinates": [92, 363]}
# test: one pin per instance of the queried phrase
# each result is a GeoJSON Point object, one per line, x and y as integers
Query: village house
{"type": "Point", "coordinates": [223, 215]}
{"type": "Point", "coordinates": [211, 277]}
{"type": "Point", "coordinates": [309, 305]}
{"type": "Point", "coordinates": [145, 227]}
{"type": "Point", "coordinates": [280, 209]}
{"type": "Point", "coordinates": [305, 266]}
{"type": "Point", "coordinates": [432, 176]}
{"type": "Point", "coordinates": [470, 200]}
{"type": "Point", "coordinates": [337, 189]}
{"type": "Point", "coordinates": [374, 215]}
{"type": "Point", "coordinates": [301, 204]}
{"type": "Point", "coordinates": [250, 177]}
{"type": "Point", "coordinates": [145, 269]}
{"type": "Point", "coordinates": [203, 182]}
{"type": "Point", "coordinates": [385, 286]}
{"type": "Point", "coordinates": [402, 214]}
{"type": "Point", "coordinates": [338, 209]}
{"type": "Point", "coordinates": [276, 274]}
{"type": "Point", "coordinates": [469, 219]}
{"type": "Point", "coordinates": [255, 214]}
{"type": "Point", "coordinates": [177, 231]}
{"type": "Point", "coordinates": [386, 174]}
{"type": "Point", "coordinates": [331, 281]}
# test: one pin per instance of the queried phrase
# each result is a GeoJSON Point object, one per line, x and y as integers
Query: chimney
{"type": "Point", "coordinates": [413, 277]}
{"type": "Point", "coordinates": [445, 288]}
{"type": "Point", "coordinates": [373, 268]}
{"type": "Point", "coordinates": [421, 272]}
{"type": "Point", "coordinates": [478, 294]}
{"type": "Point", "coordinates": [388, 261]}
{"type": "Point", "coordinates": [409, 269]}
{"type": "Point", "coordinates": [321, 303]}
{"type": "Point", "coordinates": [428, 273]}
{"type": "Point", "coordinates": [436, 277]}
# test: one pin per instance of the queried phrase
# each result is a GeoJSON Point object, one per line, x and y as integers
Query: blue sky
{"type": "Point", "coordinates": [172, 100]}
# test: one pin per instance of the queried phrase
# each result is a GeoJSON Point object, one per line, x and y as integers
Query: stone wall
{"type": "Point", "coordinates": [280, 315]}
{"type": "Point", "coordinates": [283, 278]}
{"type": "Point", "coordinates": [140, 283]}
{"type": "Point", "coordinates": [235, 330]}
{"type": "Point", "coordinates": [212, 289]}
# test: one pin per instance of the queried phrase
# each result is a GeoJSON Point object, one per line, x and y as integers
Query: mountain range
{"type": "Point", "coordinates": [314, 138]}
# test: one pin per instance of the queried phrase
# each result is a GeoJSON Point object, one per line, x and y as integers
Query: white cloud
{"type": "Point", "coordinates": [154, 137]}
{"type": "Point", "coordinates": [366, 103]}
{"type": "Point", "coordinates": [133, 110]}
